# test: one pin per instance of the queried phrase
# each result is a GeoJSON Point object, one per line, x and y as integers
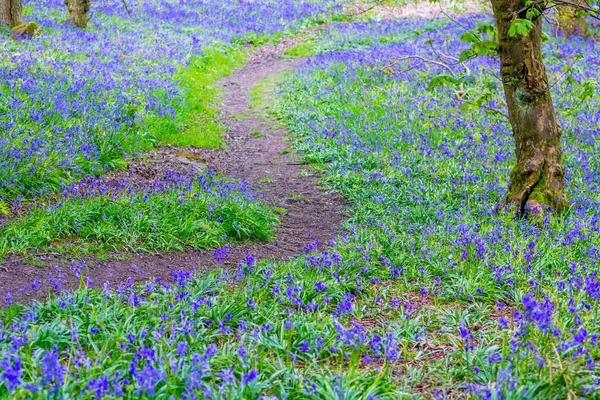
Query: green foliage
{"type": "Point", "coordinates": [520, 26]}
{"type": "Point", "coordinates": [410, 273]}
{"type": "Point", "coordinates": [308, 47]}
{"type": "Point", "coordinates": [582, 92]}
{"type": "Point", "coordinates": [262, 94]}
{"type": "Point", "coordinates": [4, 208]}
{"type": "Point", "coordinates": [441, 80]}
{"type": "Point", "coordinates": [344, 112]}
{"type": "Point", "coordinates": [482, 41]}
{"type": "Point", "coordinates": [139, 221]}
{"type": "Point", "coordinates": [113, 328]}
{"type": "Point", "coordinates": [195, 122]}
{"type": "Point", "coordinates": [28, 9]}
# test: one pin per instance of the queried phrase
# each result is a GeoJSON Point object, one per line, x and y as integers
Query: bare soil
{"type": "Point", "coordinates": [266, 162]}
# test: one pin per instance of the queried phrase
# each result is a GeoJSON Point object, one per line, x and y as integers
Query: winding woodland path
{"type": "Point", "coordinates": [263, 161]}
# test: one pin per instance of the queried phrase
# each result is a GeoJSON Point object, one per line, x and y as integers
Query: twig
{"type": "Point", "coordinates": [495, 110]}
{"type": "Point", "coordinates": [362, 11]}
{"type": "Point", "coordinates": [423, 59]}
{"type": "Point", "coordinates": [559, 79]}
{"type": "Point", "coordinates": [126, 8]}
{"type": "Point", "coordinates": [592, 12]}
{"type": "Point", "coordinates": [439, 55]}
{"type": "Point", "coordinates": [458, 23]}
{"type": "Point", "coordinates": [534, 5]}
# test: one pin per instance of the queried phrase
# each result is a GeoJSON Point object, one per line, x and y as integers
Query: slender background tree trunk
{"type": "Point", "coordinates": [11, 12]}
{"type": "Point", "coordinates": [77, 11]}
{"type": "Point", "coordinates": [538, 177]}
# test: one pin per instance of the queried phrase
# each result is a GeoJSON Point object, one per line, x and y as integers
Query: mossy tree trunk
{"type": "Point", "coordinates": [538, 177]}
{"type": "Point", "coordinates": [570, 22]}
{"type": "Point", "coordinates": [11, 12]}
{"type": "Point", "coordinates": [77, 12]}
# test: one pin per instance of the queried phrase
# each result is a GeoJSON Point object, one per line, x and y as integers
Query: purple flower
{"type": "Point", "coordinates": [181, 350]}
{"type": "Point", "coordinates": [249, 377]}
{"type": "Point", "coordinates": [52, 370]}
{"type": "Point", "coordinates": [304, 346]}
{"type": "Point", "coordinates": [344, 306]}
{"type": "Point", "coordinates": [11, 368]}
{"type": "Point", "coordinates": [466, 336]}
{"type": "Point", "coordinates": [320, 287]}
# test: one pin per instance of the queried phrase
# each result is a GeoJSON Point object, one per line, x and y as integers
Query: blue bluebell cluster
{"type": "Point", "coordinates": [432, 290]}
{"type": "Point", "coordinates": [425, 173]}
{"type": "Point", "coordinates": [73, 102]}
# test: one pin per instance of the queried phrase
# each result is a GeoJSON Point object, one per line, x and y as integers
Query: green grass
{"type": "Point", "coordinates": [184, 215]}
{"type": "Point", "coordinates": [4, 210]}
{"type": "Point", "coordinates": [263, 94]}
{"type": "Point", "coordinates": [196, 121]}
{"type": "Point", "coordinates": [113, 328]}
{"type": "Point", "coordinates": [304, 173]}
{"type": "Point", "coordinates": [241, 117]}
{"type": "Point", "coordinates": [308, 47]}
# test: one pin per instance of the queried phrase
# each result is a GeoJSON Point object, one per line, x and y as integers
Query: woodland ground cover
{"type": "Point", "coordinates": [181, 211]}
{"type": "Point", "coordinates": [76, 103]}
{"type": "Point", "coordinates": [429, 292]}
{"type": "Point", "coordinates": [425, 174]}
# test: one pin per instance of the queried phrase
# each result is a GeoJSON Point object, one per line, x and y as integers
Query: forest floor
{"type": "Point", "coordinates": [257, 150]}
{"type": "Point", "coordinates": [390, 273]}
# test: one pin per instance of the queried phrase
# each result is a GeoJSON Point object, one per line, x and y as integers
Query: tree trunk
{"type": "Point", "coordinates": [569, 22]}
{"type": "Point", "coordinates": [538, 177]}
{"type": "Point", "coordinates": [77, 12]}
{"type": "Point", "coordinates": [11, 12]}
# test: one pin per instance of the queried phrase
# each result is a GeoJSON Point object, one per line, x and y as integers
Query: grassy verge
{"type": "Point", "coordinates": [195, 123]}
{"type": "Point", "coordinates": [184, 211]}
{"type": "Point", "coordinates": [263, 94]}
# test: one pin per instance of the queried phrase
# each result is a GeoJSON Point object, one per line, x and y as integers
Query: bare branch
{"type": "Point", "coordinates": [592, 12]}
{"type": "Point", "coordinates": [492, 109]}
{"type": "Point", "coordinates": [441, 55]}
{"type": "Point", "coordinates": [423, 59]}
{"type": "Point", "coordinates": [126, 8]}
{"type": "Point", "coordinates": [366, 10]}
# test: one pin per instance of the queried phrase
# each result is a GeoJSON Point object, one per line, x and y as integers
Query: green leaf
{"type": "Point", "coordinates": [520, 27]}
{"type": "Point", "coordinates": [3, 208]}
{"type": "Point", "coordinates": [490, 45]}
{"type": "Point", "coordinates": [469, 37]}
{"type": "Point", "coordinates": [589, 89]}
{"type": "Point", "coordinates": [466, 54]}
{"type": "Point", "coordinates": [488, 29]}
{"type": "Point", "coordinates": [442, 80]}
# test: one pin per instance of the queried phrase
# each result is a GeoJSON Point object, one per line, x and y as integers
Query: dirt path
{"type": "Point", "coordinates": [263, 161]}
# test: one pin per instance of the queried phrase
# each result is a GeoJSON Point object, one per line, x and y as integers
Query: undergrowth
{"type": "Point", "coordinates": [181, 212]}
{"type": "Point", "coordinates": [196, 123]}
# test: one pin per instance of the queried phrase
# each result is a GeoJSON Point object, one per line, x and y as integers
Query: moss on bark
{"type": "Point", "coordinates": [538, 177]}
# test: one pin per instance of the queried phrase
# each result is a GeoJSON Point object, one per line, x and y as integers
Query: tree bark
{"type": "Point", "coordinates": [569, 22]}
{"type": "Point", "coordinates": [77, 12]}
{"type": "Point", "coordinates": [11, 12]}
{"type": "Point", "coordinates": [538, 177]}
